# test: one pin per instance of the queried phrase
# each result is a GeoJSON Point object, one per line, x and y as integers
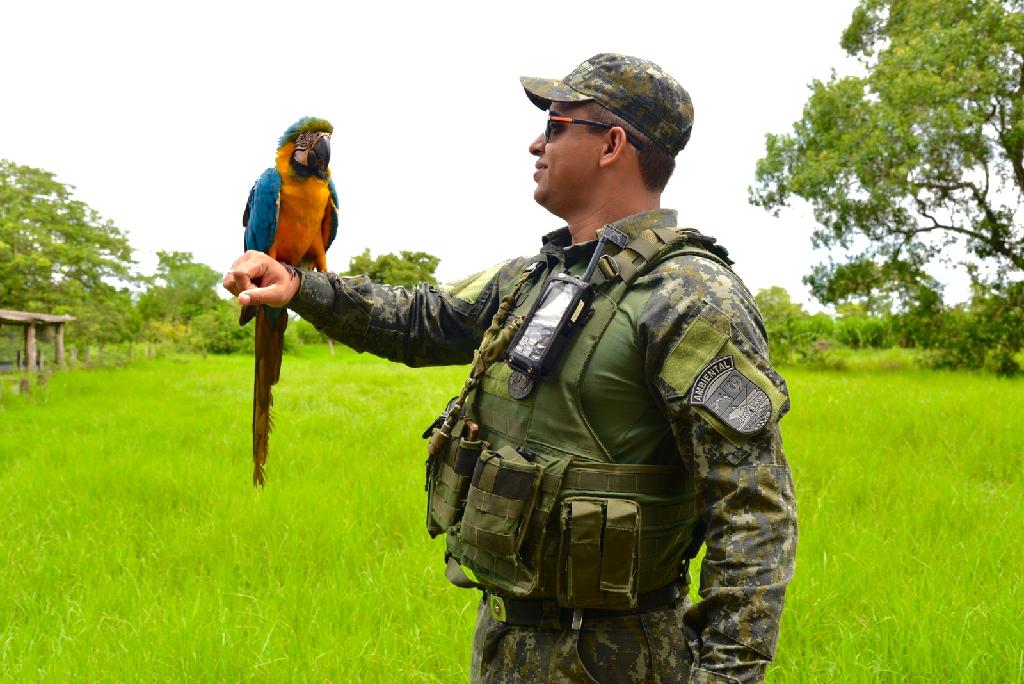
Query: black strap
{"type": "Point", "coordinates": [536, 612]}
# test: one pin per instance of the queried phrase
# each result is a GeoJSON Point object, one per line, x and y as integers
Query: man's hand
{"type": "Point", "coordinates": [257, 279]}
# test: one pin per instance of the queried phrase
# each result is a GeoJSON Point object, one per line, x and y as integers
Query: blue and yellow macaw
{"type": "Point", "coordinates": [291, 215]}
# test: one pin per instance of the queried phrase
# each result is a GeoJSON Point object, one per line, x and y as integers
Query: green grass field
{"type": "Point", "coordinates": [134, 548]}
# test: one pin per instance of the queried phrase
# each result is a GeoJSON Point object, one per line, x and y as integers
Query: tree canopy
{"type": "Point", "coordinates": [182, 289]}
{"type": "Point", "coordinates": [58, 255]}
{"type": "Point", "coordinates": [405, 269]}
{"type": "Point", "coordinates": [920, 154]}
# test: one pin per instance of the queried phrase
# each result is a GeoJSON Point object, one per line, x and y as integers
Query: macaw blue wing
{"type": "Point", "coordinates": [260, 215]}
{"type": "Point", "coordinates": [334, 213]}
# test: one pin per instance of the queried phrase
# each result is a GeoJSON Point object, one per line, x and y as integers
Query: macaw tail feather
{"type": "Point", "coordinates": [247, 313]}
{"type": "Point", "coordinates": [269, 346]}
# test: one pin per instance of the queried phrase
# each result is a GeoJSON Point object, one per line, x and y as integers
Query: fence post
{"type": "Point", "coordinates": [59, 344]}
{"type": "Point", "coordinates": [30, 347]}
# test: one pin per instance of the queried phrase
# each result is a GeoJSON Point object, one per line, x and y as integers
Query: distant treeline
{"type": "Point", "coordinates": [57, 255]}
{"type": "Point", "coordinates": [178, 309]}
{"type": "Point", "coordinates": [985, 333]}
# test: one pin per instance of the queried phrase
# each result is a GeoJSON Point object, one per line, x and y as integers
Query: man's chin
{"type": "Point", "coordinates": [541, 196]}
{"type": "Point", "coordinates": [541, 199]}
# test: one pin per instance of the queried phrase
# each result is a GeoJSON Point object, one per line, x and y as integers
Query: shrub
{"type": "Point", "coordinates": [865, 332]}
{"type": "Point", "coordinates": [217, 331]}
{"type": "Point", "coordinates": [306, 333]}
{"type": "Point", "coordinates": [167, 333]}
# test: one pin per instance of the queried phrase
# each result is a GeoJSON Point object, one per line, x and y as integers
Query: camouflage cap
{"type": "Point", "coordinates": [632, 88]}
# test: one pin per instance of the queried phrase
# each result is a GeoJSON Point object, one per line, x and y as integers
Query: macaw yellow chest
{"type": "Point", "coordinates": [300, 219]}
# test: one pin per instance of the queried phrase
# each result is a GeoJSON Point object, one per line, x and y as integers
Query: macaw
{"type": "Point", "coordinates": [291, 215]}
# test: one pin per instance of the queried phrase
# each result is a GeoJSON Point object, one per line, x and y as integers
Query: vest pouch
{"type": "Point", "coordinates": [451, 484]}
{"type": "Point", "coordinates": [598, 558]}
{"type": "Point", "coordinates": [500, 500]}
{"type": "Point", "coordinates": [503, 535]}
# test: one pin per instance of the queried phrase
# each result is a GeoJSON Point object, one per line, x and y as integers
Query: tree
{"type": "Point", "coordinates": [776, 305]}
{"type": "Point", "coordinates": [876, 289]}
{"type": "Point", "coordinates": [405, 269]}
{"type": "Point", "coordinates": [781, 319]}
{"type": "Point", "coordinates": [216, 331]}
{"type": "Point", "coordinates": [182, 289]}
{"type": "Point", "coordinates": [58, 255]}
{"type": "Point", "coordinates": [921, 153]}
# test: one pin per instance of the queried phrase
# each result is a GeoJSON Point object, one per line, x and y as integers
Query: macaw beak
{"type": "Point", "coordinates": [317, 157]}
{"type": "Point", "coordinates": [320, 154]}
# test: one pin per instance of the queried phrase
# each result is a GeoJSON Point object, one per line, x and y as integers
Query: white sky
{"type": "Point", "coordinates": [162, 116]}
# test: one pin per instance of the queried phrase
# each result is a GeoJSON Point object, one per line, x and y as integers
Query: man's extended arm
{"type": "Point", "coordinates": [418, 326]}
{"type": "Point", "coordinates": [699, 312]}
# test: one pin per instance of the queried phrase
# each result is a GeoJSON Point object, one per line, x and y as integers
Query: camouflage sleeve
{"type": "Point", "coordinates": [706, 356]}
{"type": "Point", "coordinates": [419, 326]}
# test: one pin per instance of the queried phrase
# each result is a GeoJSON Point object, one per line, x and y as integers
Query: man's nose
{"type": "Point", "coordinates": [537, 146]}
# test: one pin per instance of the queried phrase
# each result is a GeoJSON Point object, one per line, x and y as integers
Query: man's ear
{"type": "Point", "coordinates": [614, 147]}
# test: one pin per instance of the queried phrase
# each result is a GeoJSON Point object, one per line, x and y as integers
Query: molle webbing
{"type": "Point", "coordinates": [533, 555]}
{"type": "Point", "coordinates": [554, 419]}
{"type": "Point", "coordinates": [647, 249]}
{"type": "Point", "coordinates": [493, 346]}
{"type": "Point", "coordinates": [645, 481]}
{"type": "Point", "coordinates": [668, 504]}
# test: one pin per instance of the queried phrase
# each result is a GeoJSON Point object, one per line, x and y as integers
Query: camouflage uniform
{"type": "Point", "coordinates": [644, 370]}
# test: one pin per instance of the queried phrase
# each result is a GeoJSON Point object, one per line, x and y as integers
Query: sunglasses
{"type": "Point", "coordinates": [548, 132]}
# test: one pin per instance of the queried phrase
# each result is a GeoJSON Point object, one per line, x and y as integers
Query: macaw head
{"type": "Point", "coordinates": [308, 145]}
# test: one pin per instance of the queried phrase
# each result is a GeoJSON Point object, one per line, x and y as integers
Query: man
{"type": "Point", "coordinates": [597, 445]}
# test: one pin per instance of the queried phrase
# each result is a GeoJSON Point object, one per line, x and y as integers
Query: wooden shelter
{"type": "Point", "coordinates": [37, 325]}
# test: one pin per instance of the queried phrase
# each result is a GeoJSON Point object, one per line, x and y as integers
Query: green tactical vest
{"type": "Point", "coordinates": [530, 498]}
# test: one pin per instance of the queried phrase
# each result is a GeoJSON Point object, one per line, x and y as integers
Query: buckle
{"type": "Point", "coordinates": [497, 605]}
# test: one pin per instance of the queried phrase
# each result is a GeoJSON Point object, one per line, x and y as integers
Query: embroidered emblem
{"type": "Point", "coordinates": [731, 396]}
{"type": "Point", "coordinates": [520, 385]}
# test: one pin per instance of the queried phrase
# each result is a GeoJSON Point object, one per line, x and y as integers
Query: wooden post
{"type": "Point", "coordinates": [59, 344]}
{"type": "Point", "coordinates": [30, 347]}
{"type": "Point", "coordinates": [330, 345]}
{"type": "Point", "coordinates": [74, 355]}
{"type": "Point", "coordinates": [88, 355]}
{"type": "Point", "coordinates": [23, 386]}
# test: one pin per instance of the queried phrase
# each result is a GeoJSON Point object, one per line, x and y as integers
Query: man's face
{"type": "Point", "coordinates": [567, 163]}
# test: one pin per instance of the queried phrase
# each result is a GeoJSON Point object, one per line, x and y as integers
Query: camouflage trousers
{"type": "Point", "coordinates": [648, 648]}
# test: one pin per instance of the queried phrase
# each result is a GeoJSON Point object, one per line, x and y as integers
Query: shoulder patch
{"type": "Point", "coordinates": [703, 341]}
{"type": "Point", "coordinates": [709, 370]}
{"type": "Point", "coordinates": [731, 396]}
{"type": "Point", "coordinates": [469, 289]}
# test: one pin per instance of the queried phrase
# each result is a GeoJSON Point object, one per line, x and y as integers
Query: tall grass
{"type": "Point", "coordinates": [911, 507]}
{"type": "Point", "coordinates": [132, 546]}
